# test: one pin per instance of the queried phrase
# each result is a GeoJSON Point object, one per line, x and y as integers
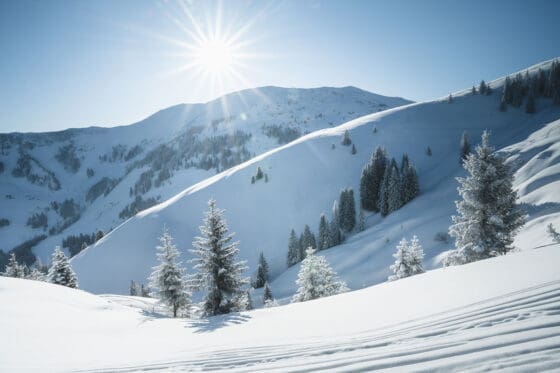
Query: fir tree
{"type": "Point", "coordinates": [293, 249]}
{"type": "Point", "coordinates": [267, 293]}
{"type": "Point", "coordinates": [60, 272]}
{"type": "Point", "coordinates": [13, 268]}
{"type": "Point", "coordinates": [488, 216]}
{"type": "Point", "coordinates": [553, 233]}
{"type": "Point", "coordinates": [324, 238]}
{"type": "Point", "coordinates": [473, 90]}
{"type": "Point", "coordinates": [262, 272]}
{"type": "Point", "coordinates": [465, 146]}
{"type": "Point", "coordinates": [335, 233]}
{"type": "Point", "coordinates": [482, 87]}
{"type": "Point", "coordinates": [167, 279]}
{"type": "Point", "coordinates": [37, 275]}
{"type": "Point", "coordinates": [353, 151]}
{"type": "Point", "coordinates": [450, 99]}
{"type": "Point", "coordinates": [316, 279]}
{"type": "Point", "coordinates": [394, 191]}
{"type": "Point", "coordinates": [370, 182]}
{"type": "Point", "coordinates": [307, 240]}
{"type": "Point", "coordinates": [347, 212]}
{"type": "Point", "coordinates": [144, 291]}
{"type": "Point", "coordinates": [248, 300]}
{"type": "Point", "coordinates": [218, 272]}
{"type": "Point", "coordinates": [133, 288]}
{"type": "Point", "coordinates": [409, 181]}
{"type": "Point", "coordinates": [408, 259]}
{"type": "Point", "coordinates": [346, 139]}
{"type": "Point", "coordinates": [361, 221]}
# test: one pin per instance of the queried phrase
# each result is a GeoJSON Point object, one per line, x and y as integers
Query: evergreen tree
{"type": "Point", "coordinates": [293, 249]}
{"type": "Point", "coordinates": [308, 240]}
{"type": "Point", "coordinates": [450, 99]}
{"type": "Point", "coordinates": [37, 275]}
{"type": "Point", "coordinates": [347, 212]}
{"type": "Point", "coordinates": [553, 233]}
{"type": "Point", "coordinates": [346, 139]}
{"type": "Point", "coordinates": [167, 279]}
{"type": "Point", "coordinates": [465, 146]}
{"type": "Point", "coordinates": [13, 268]}
{"type": "Point", "coordinates": [354, 151]}
{"type": "Point", "coordinates": [394, 191]}
{"type": "Point", "coordinates": [144, 291]}
{"type": "Point", "coordinates": [218, 272]}
{"type": "Point", "coordinates": [249, 300]}
{"type": "Point", "coordinates": [384, 193]}
{"type": "Point", "coordinates": [482, 87]}
{"type": "Point", "coordinates": [409, 183]}
{"type": "Point", "coordinates": [372, 177]}
{"type": "Point", "coordinates": [429, 151]}
{"type": "Point", "coordinates": [473, 90]}
{"type": "Point", "coordinates": [324, 238]}
{"type": "Point", "coordinates": [503, 104]}
{"type": "Point", "coordinates": [262, 272]}
{"type": "Point", "coordinates": [133, 288]}
{"type": "Point", "coordinates": [60, 272]}
{"type": "Point", "coordinates": [267, 293]}
{"type": "Point", "coordinates": [336, 234]}
{"type": "Point", "coordinates": [408, 259]}
{"type": "Point", "coordinates": [361, 221]}
{"type": "Point", "coordinates": [488, 216]}
{"type": "Point", "coordinates": [316, 279]}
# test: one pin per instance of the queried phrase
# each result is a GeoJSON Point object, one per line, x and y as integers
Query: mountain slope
{"type": "Point", "coordinates": [305, 177]}
{"type": "Point", "coordinates": [470, 321]}
{"type": "Point", "coordinates": [79, 181]}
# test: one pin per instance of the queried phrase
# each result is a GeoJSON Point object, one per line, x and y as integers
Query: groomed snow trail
{"type": "Point", "coordinates": [519, 331]}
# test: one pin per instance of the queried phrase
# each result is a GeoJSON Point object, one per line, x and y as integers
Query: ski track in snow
{"type": "Point", "coordinates": [519, 331]}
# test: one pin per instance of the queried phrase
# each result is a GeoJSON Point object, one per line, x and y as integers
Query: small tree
{"type": "Point", "coordinates": [167, 279]}
{"type": "Point", "coordinates": [324, 238]}
{"type": "Point", "coordinates": [465, 146]}
{"type": "Point", "coordinates": [218, 272]}
{"type": "Point", "coordinates": [488, 216]}
{"type": "Point", "coordinates": [262, 272]}
{"type": "Point", "coordinates": [361, 221]}
{"type": "Point", "coordinates": [267, 293]}
{"type": "Point", "coordinates": [346, 139]}
{"type": "Point", "coordinates": [144, 291]}
{"type": "Point", "coordinates": [482, 87]}
{"type": "Point", "coordinates": [61, 272]}
{"type": "Point", "coordinates": [133, 288]}
{"type": "Point", "coordinates": [293, 249]}
{"type": "Point", "coordinates": [316, 279]}
{"type": "Point", "coordinates": [353, 151]}
{"type": "Point", "coordinates": [13, 268]}
{"type": "Point", "coordinates": [553, 233]}
{"type": "Point", "coordinates": [335, 233]}
{"type": "Point", "coordinates": [429, 151]}
{"type": "Point", "coordinates": [408, 259]}
{"type": "Point", "coordinates": [307, 239]}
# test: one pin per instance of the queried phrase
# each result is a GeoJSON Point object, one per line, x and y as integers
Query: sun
{"type": "Point", "coordinates": [214, 56]}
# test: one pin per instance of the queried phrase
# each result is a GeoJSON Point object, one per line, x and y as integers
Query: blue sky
{"type": "Point", "coordinates": [80, 63]}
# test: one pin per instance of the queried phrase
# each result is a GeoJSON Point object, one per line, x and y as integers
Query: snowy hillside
{"type": "Point", "coordinates": [453, 319]}
{"type": "Point", "coordinates": [76, 182]}
{"type": "Point", "coordinates": [305, 176]}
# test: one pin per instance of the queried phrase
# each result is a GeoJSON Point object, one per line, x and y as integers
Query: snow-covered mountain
{"type": "Point", "coordinates": [500, 313]}
{"type": "Point", "coordinates": [65, 186]}
{"type": "Point", "coordinates": [306, 175]}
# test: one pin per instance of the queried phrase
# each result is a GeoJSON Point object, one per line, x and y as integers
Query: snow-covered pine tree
{"type": "Point", "coordinates": [408, 259]}
{"type": "Point", "coordinates": [324, 237]}
{"type": "Point", "coordinates": [293, 250]}
{"type": "Point", "coordinates": [361, 221]}
{"type": "Point", "coordinates": [218, 271]}
{"type": "Point", "coordinates": [346, 139]}
{"type": "Point", "coordinates": [488, 216]}
{"type": "Point", "coordinates": [60, 272]}
{"type": "Point", "coordinates": [262, 272]}
{"type": "Point", "coordinates": [553, 233]}
{"type": "Point", "coordinates": [316, 279]}
{"type": "Point", "coordinates": [465, 146]}
{"type": "Point", "coordinates": [167, 279]}
{"type": "Point", "coordinates": [372, 177]}
{"type": "Point", "coordinates": [13, 268]}
{"type": "Point", "coordinates": [133, 288]}
{"type": "Point", "coordinates": [248, 300]}
{"type": "Point", "coordinates": [37, 275]}
{"type": "Point", "coordinates": [267, 293]}
{"type": "Point", "coordinates": [335, 233]}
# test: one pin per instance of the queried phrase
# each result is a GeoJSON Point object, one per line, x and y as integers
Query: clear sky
{"type": "Point", "coordinates": [80, 63]}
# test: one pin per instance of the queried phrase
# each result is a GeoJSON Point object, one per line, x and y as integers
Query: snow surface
{"type": "Point", "coordinates": [501, 313]}
{"type": "Point", "coordinates": [306, 175]}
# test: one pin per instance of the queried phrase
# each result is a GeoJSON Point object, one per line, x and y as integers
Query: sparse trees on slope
{"type": "Point", "coordinates": [167, 279]}
{"type": "Point", "coordinates": [218, 271]}
{"type": "Point", "coordinates": [293, 249]}
{"type": "Point", "coordinates": [488, 216]}
{"type": "Point", "coordinates": [262, 272]}
{"type": "Point", "coordinates": [60, 272]}
{"type": "Point", "coordinates": [408, 259]}
{"type": "Point", "coordinates": [316, 279]}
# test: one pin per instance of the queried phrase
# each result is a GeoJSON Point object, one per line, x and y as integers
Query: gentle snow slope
{"type": "Point", "coordinates": [498, 313]}
{"type": "Point", "coordinates": [305, 177]}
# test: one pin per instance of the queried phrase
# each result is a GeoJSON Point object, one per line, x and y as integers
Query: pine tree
{"type": "Point", "coordinates": [384, 193]}
{"type": "Point", "coordinates": [248, 300]}
{"type": "Point", "coordinates": [465, 146]}
{"type": "Point", "coordinates": [262, 272]}
{"type": "Point", "coordinates": [167, 279]}
{"type": "Point", "coordinates": [335, 233]}
{"type": "Point", "coordinates": [293, 249]}
{"type": "Point", "coordinates": [60, 272]}
{"type": "Point", "coordinates": [473, 90]}
{"type": "Point", "coordinates": [394, 191]}
{"type": "Point", "coordinates": [144, 291]}
{"type": "Point", "coordinates": [316, 279]}
{"type": "Point", "coordinates": [353, 151]}
{"type": "Point", "coordinates": [372, 177]}
{"type": "Point", "coordinates": [13, 268]}
{"type": "Point", "coordinates": [488, 216]}
{"type": "Point", "coordinates": [37, 275]}
{"type": "Point", "coordinates": [450, 99]}
{"type": "Point", "coordinates": [218, 272]}
{"type": "Point", "coordinates": [361, 221]}
{"type": "Point", "coordinates": [324, 238]}
{"type": "Point", "coordinates": [308, 240]}
{"type": "Point", "coordinates": [408, 259]}
{"type": "Point", "coordinates": [346, 139]}
{"type": "Point", "coordinates": [347, 212]}
{"type": "Point", "coordinates": [133, 291]}
{"type": "Point", "coordinates": [267, 293]}
{"type": "Point", "coordinates": [482, 87]}
{"type": "Point", "coordinates": [553, 233]}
